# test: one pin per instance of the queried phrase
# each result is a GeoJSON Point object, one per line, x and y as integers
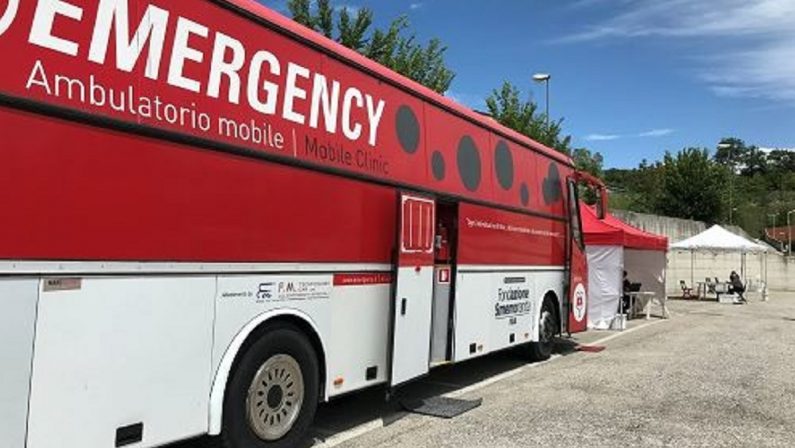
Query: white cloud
{"type": "Point", "coordinates": [768, 150]}
{"type": "Point", "coordinates": [756, 40]}
{"type": "Point", "coordinates": [661, 132]}
{"type": "Point", "coordinates": [471, 100]}
{"type": "Point", "coordinates": [656, 133]}
{"type": "Point", "coordinates": [696, 18]}
{"type": "Point", "coordinates": [415, 6]}
{"type": "Point", "coordinates": [602, 137]}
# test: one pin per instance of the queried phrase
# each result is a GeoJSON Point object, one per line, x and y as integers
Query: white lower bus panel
{"type": "Point", "coordinates": [115, 353]}
{"type": "Point", "coordinates": [351, 321]}
{"type": "Point", "coordinates": [497, 310]}
{"type": "Point", "coordinates": [140, 355]}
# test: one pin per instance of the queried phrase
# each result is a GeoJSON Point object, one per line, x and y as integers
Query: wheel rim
{"type": "Point", "coordinates": [546, 330]}
{"type": "Point", "coordinates": [275, 397]}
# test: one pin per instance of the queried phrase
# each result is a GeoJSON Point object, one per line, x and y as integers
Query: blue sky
{"type": "Point", "coordinates": [632, 78]}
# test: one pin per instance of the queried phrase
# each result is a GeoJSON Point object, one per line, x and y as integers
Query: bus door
{"type": "Point", "coordinates": [412, 304]}
{"type": "Point", "coordinates": [577, 295]}
{"type": "Point", "coordinates": [443, 282]}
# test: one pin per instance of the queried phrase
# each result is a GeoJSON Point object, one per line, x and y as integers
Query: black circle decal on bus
{"type": "Point", "coordinates": [503, 163]}
{"type": "Point", "coordinates": [408, 129]}
{"type": "Point", "coordinates": [524, 194]}
{"type": "Point", "coordinates": [437, 165]}
{"type": "Point", "coordinates": [552, 190]}
{"type": "Point", "coordinates": [469, 163]}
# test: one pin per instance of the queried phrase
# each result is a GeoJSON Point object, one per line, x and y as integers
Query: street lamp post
{"type": "Point", "coordinates": [789, 231]}
{"type": "Point", "coordinates": [775, 234]}
{"type": "Point", "coordinates": [544, 77]}
{"type": "Point", "coordinates": [730, 147]}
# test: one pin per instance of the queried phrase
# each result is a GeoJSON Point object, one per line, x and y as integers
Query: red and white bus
{"type": "Point", "coordinates": [213, 219]}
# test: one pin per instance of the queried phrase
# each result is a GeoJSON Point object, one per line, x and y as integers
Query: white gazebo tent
{"type": "Point", "coordinates": [718, 239]}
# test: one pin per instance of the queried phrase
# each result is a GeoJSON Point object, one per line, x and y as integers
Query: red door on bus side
{"type": "Point", "coordinates": [577, 294]}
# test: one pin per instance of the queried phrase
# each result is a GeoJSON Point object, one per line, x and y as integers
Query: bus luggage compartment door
{"type": "Point", "coordinates": [17, 322]}
{"type": "Point", "coordinates": [412, 305]}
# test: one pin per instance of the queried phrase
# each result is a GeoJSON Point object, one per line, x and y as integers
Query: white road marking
{"type": "Point", "coordinates": [625, 332]}
{"type": "Point", "coordinates": [441, 384]}
{"type": "Point", "coordinates": [497, 378]}
{"type": "Point", "coordinates": [516, 371]}
{"type": "Point", "coordinates": [378, 423]}
{"type": "Point", "coordinates": [352, 433]}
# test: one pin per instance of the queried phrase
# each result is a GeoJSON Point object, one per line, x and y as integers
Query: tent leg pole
{"type": "Point", "coordinates": [764, 290]}
{"type": "Point", "coordinates": [742, 267]}
{"type": "Point", "coordinates": [692, 274]}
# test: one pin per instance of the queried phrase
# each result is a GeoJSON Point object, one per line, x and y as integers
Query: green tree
{"type": "Point", "coordinates": [781, 160]}
{"type": "Point", "coordinates": [730, 151]}
{"type": "Point", "coordinates": [742, 159]}
{"type": "Point", "coordinates": [393, 47]}
{"type": "Point", "coordinates": [637, 189]}
{"type": "Point", "coordinates": [754, 162]}
{"type": "Point", "coordinates": [753, 188]}
{"type": "Point", "coordinates": [506, 106]}
{"type": "Point", "coordinates": [692, 186]}
{"type": "Point", "coordinates": [751, 203]}
{"type": "Point", "coordinates": [589, 162]}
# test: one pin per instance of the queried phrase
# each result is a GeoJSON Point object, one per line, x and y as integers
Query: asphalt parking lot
{"type": "Point", "coordinates": [712, 375]}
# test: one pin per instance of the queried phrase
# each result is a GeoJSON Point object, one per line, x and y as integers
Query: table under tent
{"type": "Point", "coordinates": [612, 247]}
{"type": "Point", "coordinates": [718, 240]}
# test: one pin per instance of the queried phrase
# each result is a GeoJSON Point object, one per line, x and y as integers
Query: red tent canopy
{"type": "Point", "coordinates": [611, 231]}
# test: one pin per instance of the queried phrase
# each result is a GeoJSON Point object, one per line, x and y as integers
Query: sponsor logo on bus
{"type": "Point", "coordinates": [265, 290]}
{"type": "Point", "coordinates": [580, 302]}
{"type": "Point", "coordinates": [513, 300]}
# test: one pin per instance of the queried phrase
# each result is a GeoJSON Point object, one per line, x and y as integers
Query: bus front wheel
{"type": "Point", "coordinates": [273, 393]}
{"type": "Point", "coordinates": [547, 329]}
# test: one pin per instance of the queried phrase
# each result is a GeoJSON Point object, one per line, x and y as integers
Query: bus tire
{"type": "Point", "coordinates": [273, 392]}
{"type": "Point", "coordinates": [547, 329]}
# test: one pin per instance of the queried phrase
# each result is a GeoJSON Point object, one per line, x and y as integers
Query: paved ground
{"type": "Point", "coordinates": [712, 375]}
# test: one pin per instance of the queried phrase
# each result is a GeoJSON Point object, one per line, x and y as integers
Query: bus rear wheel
{"type": "Point", "coordinates": [547, 329]}
{"type": "Point", "coordinates": [273, 393]}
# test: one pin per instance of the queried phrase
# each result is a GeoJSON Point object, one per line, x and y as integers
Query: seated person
{"type": "Point", "coordinates": [628, 288]}
{"type": "Point", "coordinates": [736, 285]}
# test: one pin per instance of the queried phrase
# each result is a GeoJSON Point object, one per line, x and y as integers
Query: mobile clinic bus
{"type": "Point", "coordinates": [212, 219]}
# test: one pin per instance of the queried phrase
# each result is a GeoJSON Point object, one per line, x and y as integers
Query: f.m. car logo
{"type": "Point", "coordinates": [265, 290]}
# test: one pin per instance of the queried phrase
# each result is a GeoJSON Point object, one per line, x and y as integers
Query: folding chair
{"type": "Point", "coordinates": [711, 287]}
{"type": "Point", "coordinates": [687, 293]}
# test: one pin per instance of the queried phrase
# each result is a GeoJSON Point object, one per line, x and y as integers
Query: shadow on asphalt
{"type": "Point", "coordinates": [350, 411]}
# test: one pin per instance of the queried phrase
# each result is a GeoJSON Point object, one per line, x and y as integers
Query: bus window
{"type": "Point", "coordinates": [574, 211]}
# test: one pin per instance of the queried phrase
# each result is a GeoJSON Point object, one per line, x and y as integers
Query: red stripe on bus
{"type": "Point", "coordinates": [380, 278]}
